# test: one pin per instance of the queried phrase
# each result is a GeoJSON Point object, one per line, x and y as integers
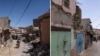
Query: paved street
{"type": "Point", "coordinates": [94, 50]}
{"type": "Point", "coordinates": [12, 51]}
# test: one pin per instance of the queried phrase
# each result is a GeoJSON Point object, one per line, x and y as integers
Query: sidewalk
{"type": "Point", "coordinates": [83, 53]}
{"type": "Point", "coordinates": [93, 50]}
{"type": "Point", "coordinates": [12, 51]}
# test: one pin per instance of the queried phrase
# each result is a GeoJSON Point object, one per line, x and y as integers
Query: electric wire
{"type": "Point", "coordinates": [12, 7]}
{"type": "Point", "coordinates": [23, 13]}
{"type": "Point", "coordinates": [20, 17]}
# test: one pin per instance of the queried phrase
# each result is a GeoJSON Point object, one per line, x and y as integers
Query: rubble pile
{"type": "Point", "coordinates": [34, 48]}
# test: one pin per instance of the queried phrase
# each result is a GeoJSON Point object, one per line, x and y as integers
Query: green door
{"type": "Point", "coordinates": [54, 36]}
{"type": "Point", "coordinates": [60, 43]}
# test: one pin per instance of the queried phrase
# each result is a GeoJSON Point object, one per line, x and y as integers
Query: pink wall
{"type": "Point", "coordinates": [58, 2]}
{"type": "Point", "coordinates": [72, 8]}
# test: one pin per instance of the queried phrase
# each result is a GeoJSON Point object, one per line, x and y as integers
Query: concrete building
{"type": "Point", "coordinates": [97, 33]}
{"type": "Point", "coordinates": [88, 31]}
{"type": "Point", "coordinates": [69, 6]}
{"type": "Point", "coordinates": [77, 18]}
{"type": "Point", "coordinates": [78, 34]}
{"type": "Point", "coordinates": [43, 22]}
{"type": "Point", "coordinates": [4, 23]}
{"type": "Point", "coordinates": [4, 28]}
{"type": "Point", "coordinates": [62, 28]}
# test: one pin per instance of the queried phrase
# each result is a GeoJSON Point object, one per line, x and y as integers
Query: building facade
{"type": "Point", "coordinates": [78, 34]}
{"type": "Point", "coordinates": [69, 6]}
{"type": "Point", "coordinates": [43, 22]}
{"type": "Point", "coordinates": [96, 34]}
{"type": "Point", "coordinates": [88, 31]}
{"type": "Point", "coordinates": [63, 42]}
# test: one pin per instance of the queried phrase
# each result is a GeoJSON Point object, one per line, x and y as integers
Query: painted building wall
{"type": "Point", "coordinates": [60, 43]}
{"type": "Point", "coordinates": [45, 31]}
{"type": "Point", "coordinates": [72, 6]}
{"type": "Point", "coordinates": [58, 2]}
{"type": "Point", "coordinates": [57, 36]}
{"type": "Point", "coordinates": [58, 16]}
{"type": "Point", "coordinates": [86, 23]}
{"type": "Point", "coordinates": [74, 40]}
{"type": "Point", "coordinates": [73, 44]}
{"type": "Point", "coordinates": [43, 22]}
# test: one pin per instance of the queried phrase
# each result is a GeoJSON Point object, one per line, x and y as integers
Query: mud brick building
{"type": "Point", "coordinates": [43, 22]}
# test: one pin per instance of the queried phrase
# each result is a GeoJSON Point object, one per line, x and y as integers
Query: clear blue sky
{"type": "Point", "coordinates": [91, 9]}
{"type": "Point", "coordinates": [36, 8]}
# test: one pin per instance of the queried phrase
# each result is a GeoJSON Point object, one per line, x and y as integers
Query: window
{"type": "Point", "coordinates": [9, 21]}
{"type": "Point", "coordinates": [66, 3]}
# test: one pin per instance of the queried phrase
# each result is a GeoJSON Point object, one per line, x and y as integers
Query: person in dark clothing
{"type": "Point", "coordinates": [18, 42]}
{"type": "Point", "coordinates": [95, 39]}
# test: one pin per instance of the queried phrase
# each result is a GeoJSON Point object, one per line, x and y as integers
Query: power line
{"type": "Point", "coordinates": [23, 13]}
{"type": "Point", "coordinates": [98, 25]}
{"type": "Point", "coordinates": [12, 7]}
{"type": "Point", "coordinates": [96, 19]}
{"type": "Point", "coordinates": [10, 11]}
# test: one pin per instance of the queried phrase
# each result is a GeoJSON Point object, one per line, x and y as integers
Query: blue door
{"type": "Point", "coordinates": [79, 42]}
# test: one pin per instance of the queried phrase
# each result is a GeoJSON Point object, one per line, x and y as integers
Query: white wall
{"type": "Point", "coordinates": [73, 40]}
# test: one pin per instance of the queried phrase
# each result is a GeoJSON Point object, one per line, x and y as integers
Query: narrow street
{"type": "Point", "coordinates": [94, 50]}
{"type": "Point", "coordinates": [12, 51]}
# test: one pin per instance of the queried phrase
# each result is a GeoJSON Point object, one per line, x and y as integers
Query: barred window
{"type": "Point", "coordinates": [66, 3]}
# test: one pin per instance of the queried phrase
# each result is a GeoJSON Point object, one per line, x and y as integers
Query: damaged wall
{"type": "Point", "coordinates": [4, 23]}
{"type": "Point", "coordinates": [72, 6]}
{"type": "Point", "coordinates": [58, 16]}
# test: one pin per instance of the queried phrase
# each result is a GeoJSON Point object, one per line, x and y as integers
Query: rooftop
{"type": "Point", "coordinates": [4, 17]}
